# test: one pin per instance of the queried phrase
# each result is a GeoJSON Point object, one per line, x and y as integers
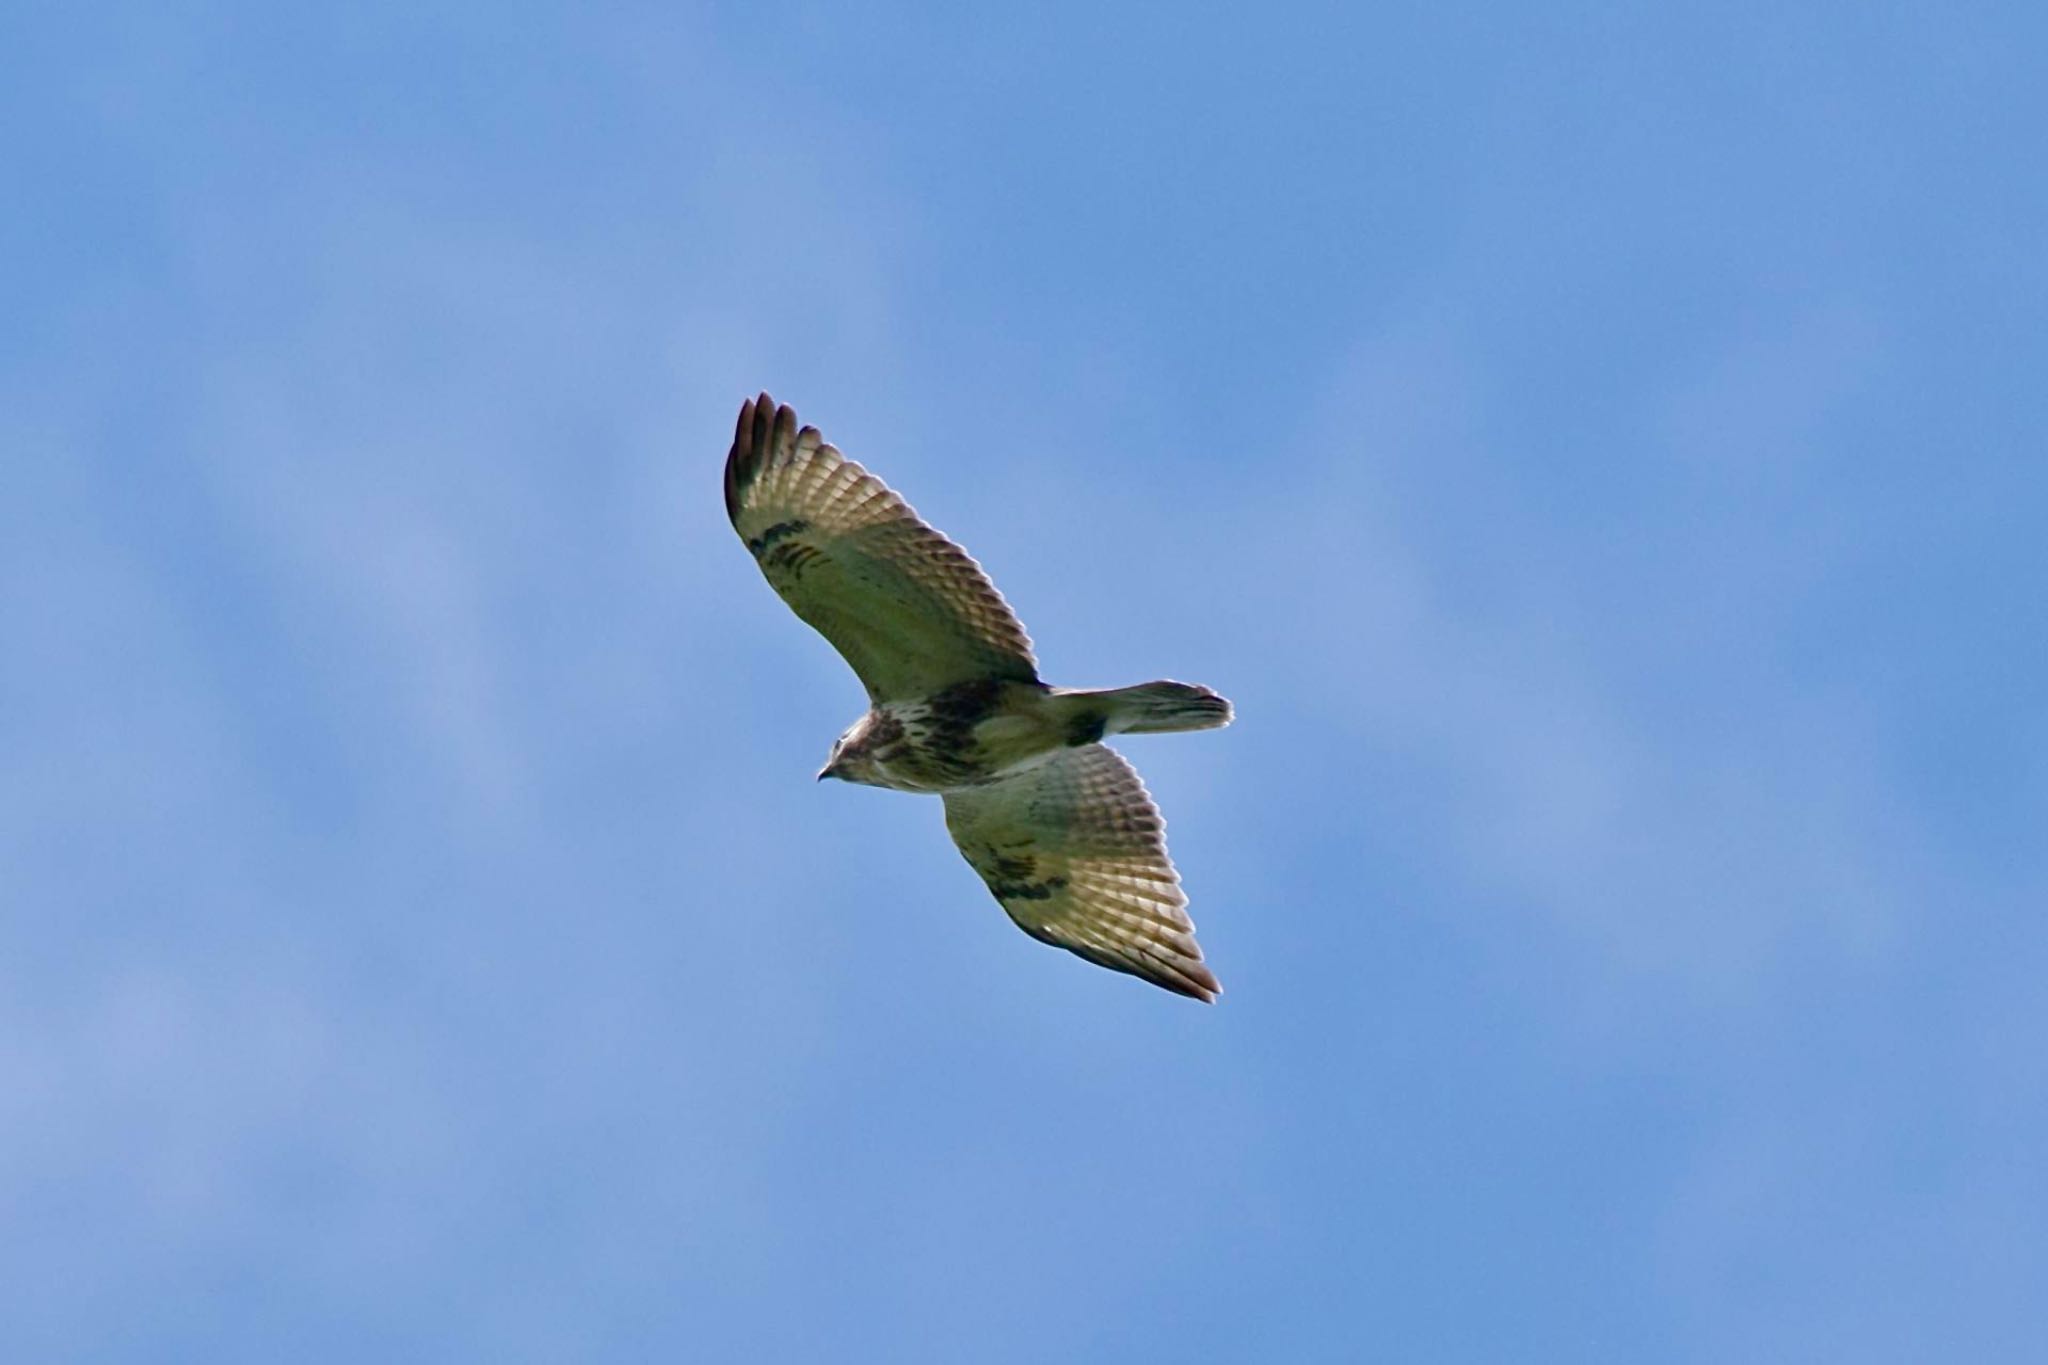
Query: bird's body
{"type": "Point", "coordinates": [1057, 824]}
{"type": "Point", "coordinates": [971, 733]}
{"type": "Point", "coordinates": [960, 736]}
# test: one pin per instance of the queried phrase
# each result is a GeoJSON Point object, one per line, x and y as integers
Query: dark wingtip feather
{"type": "Point", "coordinates": [764, 426]}
{"type": "Point", "coordinates": [761, 428]}
{"type": "Point", "coordinates": [1182, 971]}
{"type": "Point", "coordinates": [1196, 982]}
{"type": "Point", "coordinates": [738, 471]}
{"type": "Point", "coordinates": [1192, 979]}
{"type": "Point", "coordinates": [785, 427]}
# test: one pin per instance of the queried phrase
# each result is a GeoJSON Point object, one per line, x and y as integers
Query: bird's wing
{"type": "Point", "coordinates": [909, 610]}
{"type": "Point", "coordinates": [1076, 852]}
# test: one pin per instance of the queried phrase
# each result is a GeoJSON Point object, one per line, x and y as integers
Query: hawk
{"type": "Point", "coordinates": [1056, 823]}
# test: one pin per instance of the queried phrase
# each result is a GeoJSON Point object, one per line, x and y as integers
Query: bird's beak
{"type": "Point", "coordinates": [827, 771]}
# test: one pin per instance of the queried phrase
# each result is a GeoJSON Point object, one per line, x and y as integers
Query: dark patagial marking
{"type": "Point", "coordinates": [791, 558]}
{"type": "Point", "coordinates": [1011, 867]}
{"type": "Point", "coordinates": [1085, 729]}
{"type": "Point", "coordinates": [1014, 876]}
{"type": "Point", "coordinates": [761, 544]}
{"type": "Point", "coordinates": [1027, 891]}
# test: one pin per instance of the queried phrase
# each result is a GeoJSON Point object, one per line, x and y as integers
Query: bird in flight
{"type": "Point", "coordinates": [1056, 823]}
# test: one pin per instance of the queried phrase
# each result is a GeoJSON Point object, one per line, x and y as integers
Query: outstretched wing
{"type": "Point", "coordinates": [1076, 852]}
{"type": "Point", "coordinates": [909, 610]}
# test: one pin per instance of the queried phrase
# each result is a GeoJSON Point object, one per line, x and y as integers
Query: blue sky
{"type": "Point", "coordinates": [1599, 450]}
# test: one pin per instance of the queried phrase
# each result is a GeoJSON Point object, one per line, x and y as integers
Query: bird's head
{"type": "Point", "coordinates": [852, 760]}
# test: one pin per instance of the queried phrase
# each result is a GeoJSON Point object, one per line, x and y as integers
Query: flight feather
{"type": "Point", "coordinates": [907, 608]}
{"type": "Point", "coordinates": [1075, 850]}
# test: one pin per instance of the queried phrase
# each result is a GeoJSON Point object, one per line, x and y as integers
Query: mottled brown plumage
{"type": "Point", "coordinates": [1058, 825]}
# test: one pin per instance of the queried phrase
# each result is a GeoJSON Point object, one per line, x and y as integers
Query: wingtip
{"type": "Point", "coordinates": [1202, 989]}
{"type": "Point", "coordinates": [1183, 972]}
{"type": "Point", "coordinates": [763, 426]}
{"type": "Point", "coordinates": [1198, 984]}
{"type": "Point", "coordinates": [739, 460]}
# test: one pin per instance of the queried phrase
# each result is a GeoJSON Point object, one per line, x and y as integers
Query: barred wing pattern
{"type": "Point", "coordinates": [906, 607]}
{"type": "Point", "coordinates": [1075, 850]}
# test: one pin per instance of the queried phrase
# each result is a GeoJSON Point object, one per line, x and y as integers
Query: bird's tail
{"type": "Point", "coordinates": [1148, 708]}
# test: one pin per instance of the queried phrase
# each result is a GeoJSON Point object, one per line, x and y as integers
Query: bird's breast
{"type": "Point", "coordinates": [965, 735]}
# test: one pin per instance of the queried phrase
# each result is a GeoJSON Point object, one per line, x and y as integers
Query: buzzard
{"type": "Point", "coordinates": [1056, 823]}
